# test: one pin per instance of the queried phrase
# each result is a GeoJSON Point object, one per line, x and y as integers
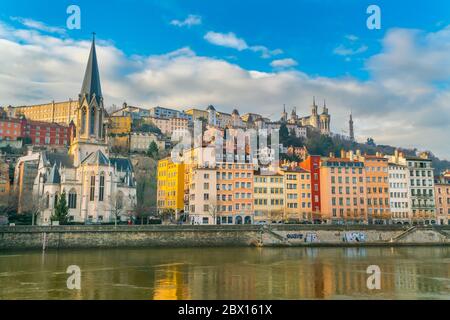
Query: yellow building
{"type": "Point", "coordinates": [197, 113]}
{"type": "Point", "coordinates": [120, 125]}
{"type": "Point", "coordinates": [268, 196]}
{"type": "Point", "coordinates": [297, 192]}
{"type": "Point", "coordinates": [170, 194]}
{"type": "Point", "coordinates": [58, 112]}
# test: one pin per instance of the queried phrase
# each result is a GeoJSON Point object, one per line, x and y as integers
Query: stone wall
{"type": "Point", "coordinates": [27, 237]}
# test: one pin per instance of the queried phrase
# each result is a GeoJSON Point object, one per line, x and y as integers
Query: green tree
{"type": "Point", "coordinates": [153, 150]}
{"type": "Point", "coordinates": [61, 209]}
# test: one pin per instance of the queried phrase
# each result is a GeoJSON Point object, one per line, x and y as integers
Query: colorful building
{"type": "Point", "coordinates": [312, 164]}
{"type": "Point", "coordinates": [120, 125]}
{"type": "Point", "coordinates": [170, 194]}
{"type": "Point", "coordinates": [297, 194]}
{"type": "Point", "coordinates": [442, 194]}
{"type": "Point", "coordinates": [343, 191]}
{"type": "Point", "coordinates": [377, 189]}
{"type": "Point", "coordinates": [268, 195]}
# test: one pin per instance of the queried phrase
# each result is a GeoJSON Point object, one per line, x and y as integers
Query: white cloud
{"type": "Point", "coordinates": [38, 25]}
{"type": "Point", "coordinates": [346, 51]}
{"type": "Point", "coordinates": [284, 63]}
{"type": "Point", "coordinates": [404, 102]}
{"type": "Point", "coordinates": [229, 40]}
{"type": "Point", "coordinates": [191, 20]}
{"type": "Point", "coordinates": [351, 37]}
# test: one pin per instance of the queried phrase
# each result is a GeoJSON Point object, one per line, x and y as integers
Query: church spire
{"type": "Point", "coordinates": [91, 83]}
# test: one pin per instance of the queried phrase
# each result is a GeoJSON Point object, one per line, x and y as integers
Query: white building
{"type": "Point", "coordinates": [400, 202]}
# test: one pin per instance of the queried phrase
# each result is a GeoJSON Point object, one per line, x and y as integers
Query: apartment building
{"type": "Point", "coordinates": [268, 195]}
{"type": "Point", "coordinates": [202, 196]}
{"type": "Point", "coordinates": [377, 189]}
{"type": "Point", "coordinates": [170, 184]}
{"type": "Point", "coordinates": [297, 194]}
{"type": "Point", "coordinates": [343, 191]}
{"type": "Point", "coordinates": [400, 202]}
{"type": "Point", "coordinates": [442, 195]}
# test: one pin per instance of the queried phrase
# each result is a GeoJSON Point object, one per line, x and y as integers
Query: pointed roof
{"type": "Point", "coordinates": [96, 158]}
{"type": "Point", "coordinates": [91, 82]}
{"type": "Point", "coordinates": [54, 176]}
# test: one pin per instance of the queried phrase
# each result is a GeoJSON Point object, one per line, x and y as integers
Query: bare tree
{"type": "Point", "coordinates": [212, 210]}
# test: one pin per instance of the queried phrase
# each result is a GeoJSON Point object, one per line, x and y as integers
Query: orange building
{"type": "Point", "coordinates": [343, 191]}
{"type": "Point", "coordinates": [234, 184]}
{"type": "Point", "coordinates": [377, 189]}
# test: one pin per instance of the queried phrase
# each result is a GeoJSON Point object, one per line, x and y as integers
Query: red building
{"type": "Point", "coordinates": [312, 164]}
{"type": "Point", "coordinates": [36, 132]}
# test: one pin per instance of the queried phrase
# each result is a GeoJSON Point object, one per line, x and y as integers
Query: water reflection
{"type": "Point", "coordinates": [228, 273]}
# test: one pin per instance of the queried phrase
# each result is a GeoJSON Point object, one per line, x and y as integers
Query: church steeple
{"type": "Point", "coordinates": [91, 84]}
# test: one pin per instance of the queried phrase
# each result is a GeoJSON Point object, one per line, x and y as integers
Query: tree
{"type": "Point", "coordinates": [153, 150]}
{"type": "Point", "coordinates": [117, 206]}
{"type": "Point", "coordinates": [284, 133]}
{"type": "Point", "coordinates": [61, 209]}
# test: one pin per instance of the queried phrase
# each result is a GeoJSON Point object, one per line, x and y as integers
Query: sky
{"type": "Point", "coordinates": [251, 55]}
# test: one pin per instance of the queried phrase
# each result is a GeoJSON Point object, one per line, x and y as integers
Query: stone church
{"type": "Point", "coordinates": [99, 188]}
{"type": "Point", "coordinates": [318, 121]}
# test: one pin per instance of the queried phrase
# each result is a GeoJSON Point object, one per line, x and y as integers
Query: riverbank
{"type": "Point", "coordinates": [65, 237]}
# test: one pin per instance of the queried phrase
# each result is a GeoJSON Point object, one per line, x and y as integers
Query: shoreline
{"type": "Point", "coordinates": [274, 236]}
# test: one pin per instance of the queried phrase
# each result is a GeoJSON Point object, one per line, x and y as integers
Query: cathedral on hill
{"type": "Point", "coordinates": [99, 188]}
{"type": "Point", "coordinates": [318, 121]}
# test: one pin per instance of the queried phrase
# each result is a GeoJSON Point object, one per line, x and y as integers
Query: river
{"type": "Point", "coordinates": [228, 273]}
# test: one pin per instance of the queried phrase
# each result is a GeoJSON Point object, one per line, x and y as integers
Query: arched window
{"type": "Point", "coordinates": [83, 120]}
{"type": "Point", "coordinates": [72, 199]}
{"type": "Point", "coordinates": [47, 201]}
{"type": "Point", "coordinates": [100, 125]}
{"type": "Point", "coordinates": [92, 121]}
{"type": "Point", "coordinates": [56, 200]}
{"type": "Point", "coordinates": [102, 187]}
{"type": "Point", "coordinates": [92, 189]}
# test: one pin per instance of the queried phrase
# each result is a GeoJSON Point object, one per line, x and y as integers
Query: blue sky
{"type": "Point", "coordinates": [250, 55]}
{"type": "Point", "coordinates": [307, 30]}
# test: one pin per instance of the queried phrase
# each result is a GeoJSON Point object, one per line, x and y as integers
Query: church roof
{"type": "Point", "coordinates": [60, 159]}
{"type": "Point", "coordinates": [91, 82]}
{"type": "Point", "coordinates": [54, 176]}
{"type": "Point", "coordinates": [96, 158]}
{"type": "Point", "coordinates": [122, 164]}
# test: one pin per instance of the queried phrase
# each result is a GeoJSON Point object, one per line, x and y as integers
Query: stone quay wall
{"type": "Point", "coordinates": [66, 237]}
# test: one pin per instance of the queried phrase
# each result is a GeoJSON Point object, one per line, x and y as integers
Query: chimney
{"type": "Point", "coordinates": [351, 155]}
{"type": "Point", "coordinates": [342, 153]}
{"type": "Point", "coordinates": [331, 155]}
{"type": "Point", "coordinates": [358, 153]}
{"type": "Point", "coordinates": [396, 156]}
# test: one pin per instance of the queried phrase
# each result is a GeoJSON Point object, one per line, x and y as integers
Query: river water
{"type": "Point", "coordinates": [228, 273]}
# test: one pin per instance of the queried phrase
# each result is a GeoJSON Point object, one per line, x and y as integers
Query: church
{"type": "Point", "coordinates": [98, 188]}
{"type": "Point", "coordinates": [320, 122]}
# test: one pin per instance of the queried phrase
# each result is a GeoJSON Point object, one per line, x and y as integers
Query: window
{"type": "Point", "coordinates": [72, 199]}
{"type": "Point", "coordinates": [92, 122]}
{"type": "Point", "coordinates": [92, 189]}
{"type": "Point", "coordinates": [102, 187]}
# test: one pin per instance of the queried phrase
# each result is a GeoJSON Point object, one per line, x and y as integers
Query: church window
{"type": "Point", "coordinates": [92, 189]}
{"type": "Point", "coordinates": [72, 199]}
{"type": "Point", "coordinates": [83, 120]}
{"type": "Point", "coordinates": [100, 125]}
{"type": "Point", "coordinates": [56, 200]}
{"type": "Point", "coordinates": [92, 122]}
{"type": "Point", "coordinates": [102, 187]}
{"type": "Point", "coordinates": [47, 201]}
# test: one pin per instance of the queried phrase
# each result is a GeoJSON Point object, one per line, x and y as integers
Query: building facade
{"type": "Point", "coordinates": [343, 191]}
{"type": "Point", "coordinates": [268, 195]}
{"type": "Point", "coordinates": [442, 194]}
{"type": "Point", "coordinates": [400, 201]}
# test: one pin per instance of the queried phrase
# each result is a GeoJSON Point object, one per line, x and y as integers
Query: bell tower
{"type": "Point", "coordinates": [90, 114]}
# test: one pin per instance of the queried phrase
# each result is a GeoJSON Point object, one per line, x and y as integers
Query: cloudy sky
{"type": "Point", "coordinates": [251, 55]}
